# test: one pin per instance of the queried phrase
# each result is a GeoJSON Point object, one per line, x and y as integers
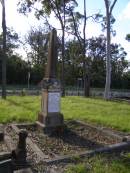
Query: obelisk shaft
{"type": "Point", "coordinates": [52, 56]}
{"type": "Point", "coordinates": [50, 118]}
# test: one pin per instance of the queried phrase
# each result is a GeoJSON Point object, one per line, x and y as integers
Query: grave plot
{"type": "Point", "coordinates": [77, 139]}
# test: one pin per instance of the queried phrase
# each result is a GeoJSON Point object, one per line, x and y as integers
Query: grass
{"type": "Point", "coordinates": [19, 108]}
{"type": "Point", "coordinates": [100, 164]}
{"type": "Point", "coordinates": [108, 113]}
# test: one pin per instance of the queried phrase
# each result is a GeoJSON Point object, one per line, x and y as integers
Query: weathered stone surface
{"type": "Point", "coordinates": [9, 142]}
{"type": "Point", "coordinates": [20, 153]}
{"type": "Point", "coordinates": [6, 166]}
{"type": "Point", "coordinates": [115, 148]}
{"type": "Point", "coordinates": [50, 115]}
{"type": "Point", "coordinates": [5, 156]}
{"type": "Point", "coordinates": [52, 56]}
{"type": "Point", "coordinates": [51, 120]}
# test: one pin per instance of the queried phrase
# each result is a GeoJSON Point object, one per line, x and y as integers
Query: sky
{"type": "Point", "coordinates": [121, 12]}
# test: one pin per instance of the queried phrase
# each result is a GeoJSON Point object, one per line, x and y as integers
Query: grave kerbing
{"type": "Point", "coordinates": [50, 118]}
{"type": "Point", "coordinates": [19, 155]}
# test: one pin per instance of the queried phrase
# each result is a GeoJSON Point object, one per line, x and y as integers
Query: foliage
{"type": "Point", "coordinates": [126, 80]}
{"type": "Point", "coordinates": [73, 62]}
{"type": "Point", "coordinates": [128, 37]}
{"type": "Point", "coordinates": [75, 22]}
{"type": "Point", "coordinates": [37, 73]}
{"type": "Point", "coordinates": [38, 42]}
{"type": "Point", "coordinates": [37, 57]}
{"type": "Point", "coordinates": [17, 71]}
{"type": "Point", "coordinates": [46, 7]}
{"type": "Point", "coordinates": [59, 8]}
{"type": "Point", "coordinates": [11, 41]}
{"type": "Point", "coordinates": [96, 56]}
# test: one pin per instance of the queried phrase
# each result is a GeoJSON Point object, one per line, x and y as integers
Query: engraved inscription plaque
{"type": "Point", "coordinates": [54, 102]}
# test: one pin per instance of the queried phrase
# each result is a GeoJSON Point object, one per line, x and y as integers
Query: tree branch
{"type": "Point", "coordinates": [112, 6]}
{"type": "Point", "coordinates": [76, 30]}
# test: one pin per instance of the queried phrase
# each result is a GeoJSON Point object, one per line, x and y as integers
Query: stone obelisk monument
{"type": "Point", "coordinates": [50, 117]}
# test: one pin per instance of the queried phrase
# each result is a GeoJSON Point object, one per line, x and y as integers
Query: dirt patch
{"type": "Point", "coordinates": [75, 138]}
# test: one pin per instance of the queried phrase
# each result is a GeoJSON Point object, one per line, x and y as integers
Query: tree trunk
{"type": "Point", "coordinates": [63, 52]}
{"type": "Point", "coordinates": [108, 59]}
{"type": "Point", "coordinates": [85, 62]}
{"type": "Point", "coordinates": [4, 51]}
{"type": "Point", "coordinates": [62, 73]}
{"type": "Point", "coordinates": [87, 86]}
{"type": "Point", "coordinates": [108, 48]}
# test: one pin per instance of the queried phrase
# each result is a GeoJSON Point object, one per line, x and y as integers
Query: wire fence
{"type": "Point", "coordinates": [69, 91]}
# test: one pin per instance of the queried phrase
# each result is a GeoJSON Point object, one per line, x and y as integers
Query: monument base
{"type": "Point", "coordinates": [53, 122]}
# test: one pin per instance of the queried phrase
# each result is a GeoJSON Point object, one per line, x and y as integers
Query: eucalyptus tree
{"type": "Point", "coordinates": [73, 62]}
{"type": "Point", "coordinates": [3, 50]}
{"type": "Point", "coordinates": [75, 22]}
{"type": "Point", "coordinates": [109, 8]}
{"type": "Point", "coordinates": [37, 39]}
{"type": "Point", "coordinates": [96, 52]}
{"type": "Point", "coordinates": [58, 8]}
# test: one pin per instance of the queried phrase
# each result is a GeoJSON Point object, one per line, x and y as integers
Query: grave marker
{"type": "Point", "coordinates": [20, 153]}
{"type": "Point", "coordinates": [50, 117]}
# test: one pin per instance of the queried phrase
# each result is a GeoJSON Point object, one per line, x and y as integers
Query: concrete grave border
{"type": "Point", "coordinates": [114, 148]}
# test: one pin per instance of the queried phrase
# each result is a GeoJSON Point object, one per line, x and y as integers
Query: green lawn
{"type": "Point", "coordinates": [100, 164]}
{"type": "Point", "coordinates": [110, 113]}
{"type": "Point", "coordinates": [19, 108]}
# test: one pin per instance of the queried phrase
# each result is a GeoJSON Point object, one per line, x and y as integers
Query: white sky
{"type": "Point", "coordinates": [22, 24]}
